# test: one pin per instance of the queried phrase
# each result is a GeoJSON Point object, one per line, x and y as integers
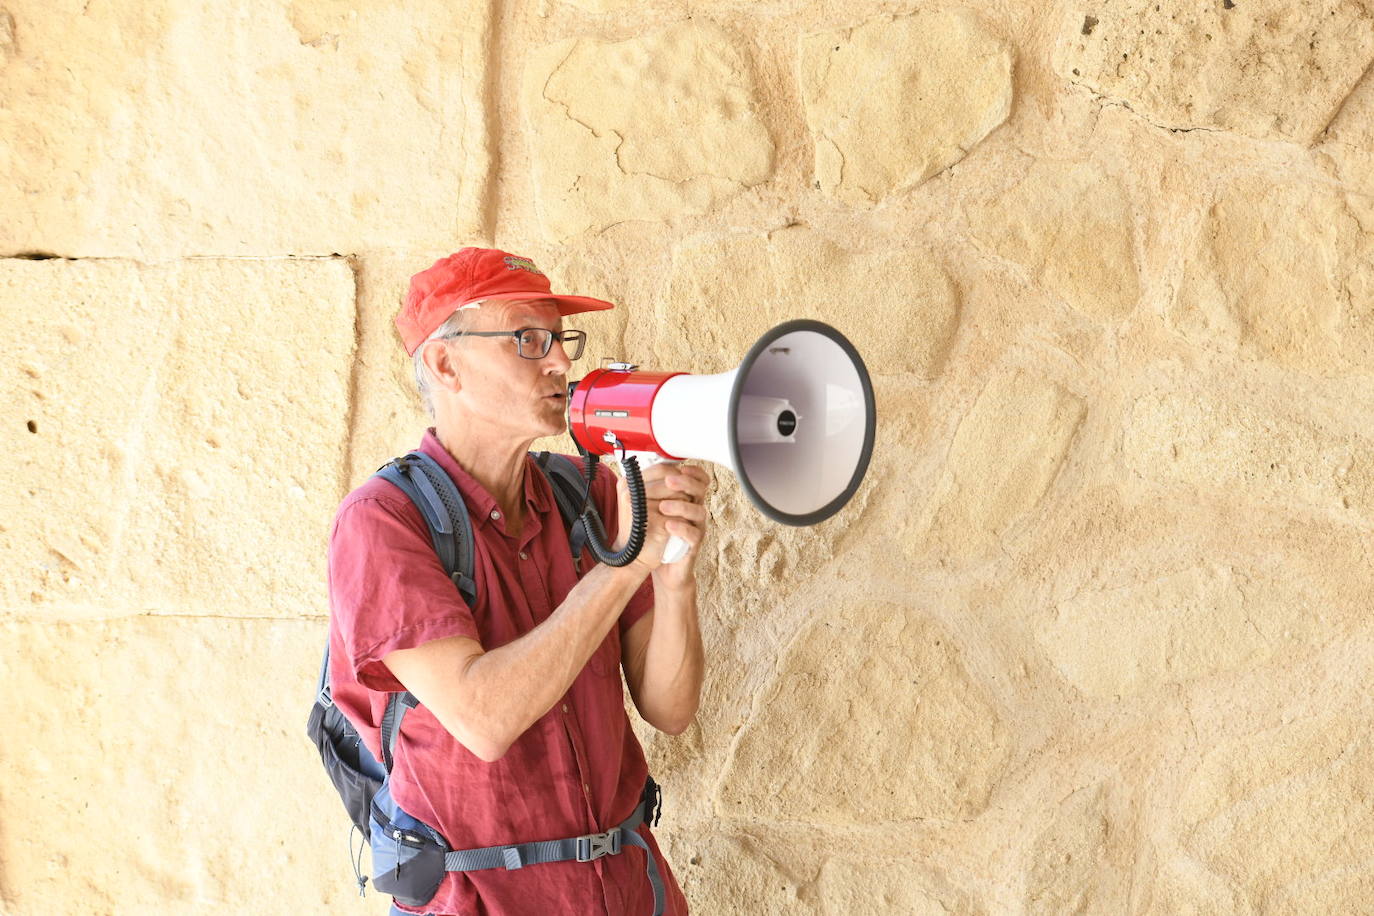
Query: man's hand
{"type": "Point", "coordinates": [675, 495]}
{"type": "Point", "coordinates": [662, 653]}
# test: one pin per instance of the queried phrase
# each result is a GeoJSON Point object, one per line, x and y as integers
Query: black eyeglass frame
{"type": "Point", "coordinates": [562, 337]}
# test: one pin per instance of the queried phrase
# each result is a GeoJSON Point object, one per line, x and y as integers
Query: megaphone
{"type": "Point", "coordinates": [794, 421]}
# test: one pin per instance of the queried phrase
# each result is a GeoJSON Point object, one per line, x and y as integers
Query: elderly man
{"type": "Point", "coordinates": [521, 734]}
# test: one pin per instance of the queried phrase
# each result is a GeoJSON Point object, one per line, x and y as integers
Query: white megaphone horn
{"type": "Point", "coordinates": [794, 422]}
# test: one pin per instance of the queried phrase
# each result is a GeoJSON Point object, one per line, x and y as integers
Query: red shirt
{"type": "Point", "coordinates": [579, 769]}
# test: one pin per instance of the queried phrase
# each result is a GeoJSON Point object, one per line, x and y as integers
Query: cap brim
{"type": "Point", "coordinates": [567, 305]}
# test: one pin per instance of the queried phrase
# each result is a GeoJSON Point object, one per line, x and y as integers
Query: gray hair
{"type": "Point", "coordinates": [455, 325]}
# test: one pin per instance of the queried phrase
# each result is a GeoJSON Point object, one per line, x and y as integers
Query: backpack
{"type": "Point", "coordinates": [359, 778]}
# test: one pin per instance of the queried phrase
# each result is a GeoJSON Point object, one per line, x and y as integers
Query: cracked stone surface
{"type": "Point", "coordinates": [160, 440]}
{"type": "Point", "coordinates": [1282, 272]}
{"type": "Point", "coordinates": [742, 285]}
{"type": "Point", "coordinates": [1348, 149]}
{"type": "Point", "coordinates": [164, 128]}
{"type": "Point", "coordinates": [932, 749]}
{"type": "Point", "coordinates": [1070, 225]}
{"type": "Point", "coordinates": [159, 821]}
{"type": "Point", "coordinates": [642, 129]}
{"type": "Point", "coordinates": [719, 871]}
{"type": "Point", "coordinates": [1284, 815]}
{"type": "Point", "coordinates": [1202, 621]}
{"type": "Point", "coordinates": [8, 46]}
{"type": "Point", "coordinates": [1253, 444]}
{"type": "Point", "coordinates": [1264, 68]}
{"type": "Point", "coordinates": [615, 6]}
{"type": "Point", "coordinates": [1007, 451]}
{"type": "Point", "coordinates": [846, 887]}
{"type": "Point", "coordinates": [1071, 872]}
{"type": "Point", "coordinates": [892, 102]}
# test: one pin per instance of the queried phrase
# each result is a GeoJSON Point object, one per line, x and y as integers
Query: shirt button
{"type": "Point", "coordinates": [524, 556]}
{"type": "Point", "coordinates": [565, 707]}
{"type": "Point", "coordinates": [586, 788]}
{"type": "Point", "coordinates": [495, 513]}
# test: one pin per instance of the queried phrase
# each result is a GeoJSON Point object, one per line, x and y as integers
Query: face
{"type": "Point", "coordinates": [525, 398]}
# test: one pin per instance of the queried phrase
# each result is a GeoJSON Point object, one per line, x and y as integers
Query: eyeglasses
{"type": "Point", "coordinates": [535, 343]}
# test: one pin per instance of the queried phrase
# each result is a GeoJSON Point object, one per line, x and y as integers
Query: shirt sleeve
{"type": "Point", "coordinates": [387, 588]}
{"type": "Point", "coordinates": [606, 494]}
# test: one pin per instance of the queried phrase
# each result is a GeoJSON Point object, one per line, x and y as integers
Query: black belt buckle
{"type": "Point", "coordinates": [595, 845]}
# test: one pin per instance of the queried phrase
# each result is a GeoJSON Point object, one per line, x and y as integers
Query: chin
{"type": "Point", "coordinates": [554, 427]}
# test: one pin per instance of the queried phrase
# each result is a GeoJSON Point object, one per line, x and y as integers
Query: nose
{"type": "Point", "coordinates": [556, 361]}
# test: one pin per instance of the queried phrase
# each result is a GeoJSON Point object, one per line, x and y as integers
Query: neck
{"type": "Point", "coordinates": [499, 466]}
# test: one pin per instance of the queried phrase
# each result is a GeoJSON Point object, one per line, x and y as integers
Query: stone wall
{"type": "Point", "coordinates": [1092, 638]}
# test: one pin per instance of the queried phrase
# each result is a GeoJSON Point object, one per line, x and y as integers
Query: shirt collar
{"type": "Point", "coordinates": [480, 503]}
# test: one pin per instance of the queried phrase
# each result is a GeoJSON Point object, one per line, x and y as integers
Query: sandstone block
{"type": "Point", "coordinates": [1285, 815]}
{"type": "Point", "coordinates": [1252, 449]}
{"type": "Point", "coordinates": [1266, 68]}
{"type": "Point", "coordinates": [1007, 452]}
{"type": "Point", "coordinates": [1070, 226]}
{"type": "Point", "coordinates": [844, 734]}
{"type": "Point", "coordinates": [1070, 872]}
{"type": "Point", "coordinates": [643, 129]}
{"type": "Point", "coordinates": [1203, 621]}
{"type": "Point", "coordinates": [176, 435]}
{"type": "Point", "coordinates": [608, 6]}
{"type": "Point", "coordinates": [892, 102]}
{"type": "Point", "coordinates": [164, 761]}
{"type": "Point", "coordinates": [1282, 273]}
{"type": "Point", "coordinates": [896, 303]}
{"type": "Point", "coordinates": [727, 874]}
{"type": "Point", "coordinates": [847, 887]}
{"type": "Point", "coordinates": [161, 129]}
{"type": "Point", "coordinates": [1348, 149]}
{"type": "Point", "coordinates": [1183, 887]}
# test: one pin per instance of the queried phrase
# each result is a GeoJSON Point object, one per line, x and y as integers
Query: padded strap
{"type": "Point", "coordinates": [438, 499]}
{"type": "Point", "coordinates": [433, 492]}
{"type": "Point", "coordinates": [570, 492]}
{"type": "Point", "coordinates": [397, 705]}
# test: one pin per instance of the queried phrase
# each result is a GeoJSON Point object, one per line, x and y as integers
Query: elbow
{"type": "Point", "coordinates": [485, 748]}
{"type": "Point", "coordinates": [488, 748]}
{"type": "Point", "coordinates": [676, 725]}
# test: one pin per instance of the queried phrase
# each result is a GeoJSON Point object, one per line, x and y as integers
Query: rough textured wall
{"type": "Point", "coordinates": [1092, 638]}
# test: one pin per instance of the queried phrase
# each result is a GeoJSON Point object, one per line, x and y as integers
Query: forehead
{"type": "Point", "coordinates": [522, 314]}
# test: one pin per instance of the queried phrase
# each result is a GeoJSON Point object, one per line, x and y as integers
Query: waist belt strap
{"type": "Point", "coordinates": [580, 848]}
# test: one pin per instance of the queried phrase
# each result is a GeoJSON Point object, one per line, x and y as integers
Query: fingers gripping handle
{"type": "Point", "coordinates": [676, 548]}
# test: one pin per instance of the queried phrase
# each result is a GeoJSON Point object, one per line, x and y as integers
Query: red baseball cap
{"type": "Point", "coordinates": [469, 275]}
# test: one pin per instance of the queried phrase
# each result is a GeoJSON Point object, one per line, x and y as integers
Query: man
{"type": "Point", "coordinates": [521, 734]}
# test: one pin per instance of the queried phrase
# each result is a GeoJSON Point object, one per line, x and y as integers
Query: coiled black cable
{"type": "Point", "coordinates": [591, 519]}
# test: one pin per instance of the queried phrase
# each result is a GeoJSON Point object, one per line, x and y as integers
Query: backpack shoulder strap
{"type": "Point", "coordinates": [397, 705]}
{"type": "Point", "coordinates": [420, 477]}
{"type": "Point", "coordinates": [570, 492]}
{"type": "Point", "coordinates": [436, 496]}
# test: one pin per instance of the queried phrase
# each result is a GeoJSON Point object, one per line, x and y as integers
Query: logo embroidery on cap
{"type": "Point", "coordinates": [522, 264]}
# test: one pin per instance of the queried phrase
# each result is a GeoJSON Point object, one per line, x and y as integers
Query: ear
{"type": "Point", "coordinates": [443, 364]}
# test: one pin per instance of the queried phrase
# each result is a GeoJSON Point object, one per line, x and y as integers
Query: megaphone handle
{"type": "Point", "coordinates": [676, 548]}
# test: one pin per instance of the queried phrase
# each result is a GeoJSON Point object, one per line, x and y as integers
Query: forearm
{"type": "Point", "coordinates": [673, 664]}
{"type": "Point", "coordinates": [510, 687]}
{"type": "Point", "coordinates": [489, 699]}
